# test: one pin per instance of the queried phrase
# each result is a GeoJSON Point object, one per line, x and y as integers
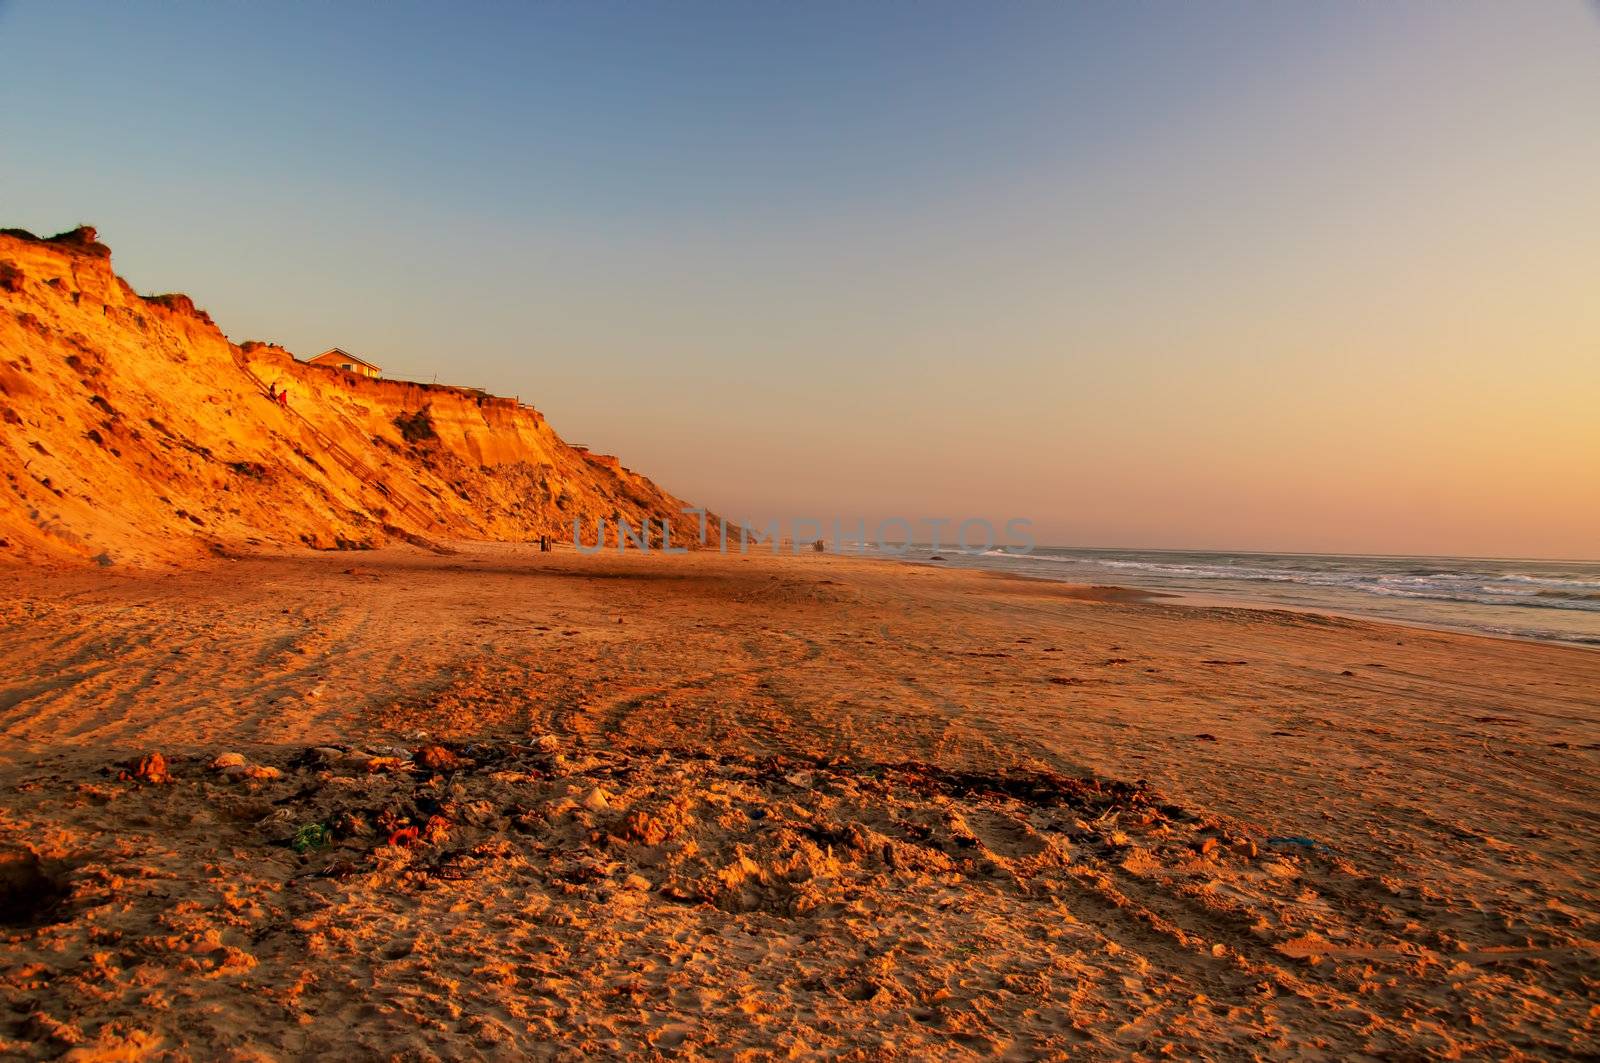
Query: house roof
{"type": "Point", "coordinates": [336, 355]}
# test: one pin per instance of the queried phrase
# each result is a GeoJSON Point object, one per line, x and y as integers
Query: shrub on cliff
{"type": "Point", "coordinates": [80, 241]}
{"type": "Point", "coordinates": [416, 427]}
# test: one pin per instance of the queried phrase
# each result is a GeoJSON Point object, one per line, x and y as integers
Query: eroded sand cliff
{"type": "Point", "coordinates": [133, 431]}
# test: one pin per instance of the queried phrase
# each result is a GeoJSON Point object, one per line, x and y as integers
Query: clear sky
{"type": "Point", "coordinates": [1271, 275]}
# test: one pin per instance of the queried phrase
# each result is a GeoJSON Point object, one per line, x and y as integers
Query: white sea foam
{"type": "Point", "coordinates": [1485, 595]}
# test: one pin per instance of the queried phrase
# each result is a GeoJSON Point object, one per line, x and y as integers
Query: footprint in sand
{"type": "Point", "coordinates": [1005, 836]}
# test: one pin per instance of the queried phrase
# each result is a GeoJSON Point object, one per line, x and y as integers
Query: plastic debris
{"type": "Point", "coordinates": [309, 837]}
{"type": "Point", "coordinates": [1295, 839]}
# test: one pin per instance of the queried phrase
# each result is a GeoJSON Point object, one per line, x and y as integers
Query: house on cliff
{"type": "Point", "coordinates": [335, 358]}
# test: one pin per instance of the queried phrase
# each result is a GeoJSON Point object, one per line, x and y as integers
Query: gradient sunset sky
{"type": "Point", "coordinates": [1282, 276]}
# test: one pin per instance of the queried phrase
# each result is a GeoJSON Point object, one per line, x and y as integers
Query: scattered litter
{"type": "Point", "coordinates": [405, 836]}
{"type": "Point", "coordinates": [1302, 842]}
{"type": "Point", "coordinates": [438, 758]}
{"type": "Point", "coordinates": [150, 768]}
{"type": "Point", "coordinates": [309, 837]}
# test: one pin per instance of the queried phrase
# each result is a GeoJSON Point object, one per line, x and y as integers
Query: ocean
{"type": "Point", "coordinates": [1557, 601]}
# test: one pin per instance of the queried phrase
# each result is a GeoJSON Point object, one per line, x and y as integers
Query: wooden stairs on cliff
{"type": "Point", "coordinates": [352, 464]}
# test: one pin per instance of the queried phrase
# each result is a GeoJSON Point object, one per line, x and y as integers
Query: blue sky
{"type": "Point", "coordinates": [1187, 274]}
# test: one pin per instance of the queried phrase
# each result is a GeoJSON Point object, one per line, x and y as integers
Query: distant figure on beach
{"type": "Point", "coordinates": [272, 391]}
{"type": "Point", "coordinates": [283, 398]}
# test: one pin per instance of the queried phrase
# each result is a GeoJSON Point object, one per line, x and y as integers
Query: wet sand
{"type": "Point", "coordinates": [504, 803]}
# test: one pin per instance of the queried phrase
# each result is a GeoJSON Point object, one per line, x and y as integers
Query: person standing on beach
{"type": "Point", "coordinates": [283, 398]}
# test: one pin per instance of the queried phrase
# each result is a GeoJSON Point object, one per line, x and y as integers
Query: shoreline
{"type": "Point", "coordinates": [1181, 595]}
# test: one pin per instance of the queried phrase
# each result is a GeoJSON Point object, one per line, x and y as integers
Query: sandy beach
{"type": "Point", "coordinates": [496, 802]}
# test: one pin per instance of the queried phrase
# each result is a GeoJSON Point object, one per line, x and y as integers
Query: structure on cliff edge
{"type": "Point", "coordinates": [339, 358]}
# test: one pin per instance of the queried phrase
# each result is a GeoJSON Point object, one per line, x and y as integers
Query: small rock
{"type": "Point", "coordinates": [636, 882]}
{"type": "Point", "coordinates": [597, 801]}
{"type": "Point", "coordinates": [228, 760]}
{"type": "Point", "coordinates": [437, 758]}
{"type": "Point", "coordinates": [151, 768]}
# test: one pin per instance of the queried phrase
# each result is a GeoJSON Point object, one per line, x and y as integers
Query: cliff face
{"type": "Point", "coordinates": [132, 431]}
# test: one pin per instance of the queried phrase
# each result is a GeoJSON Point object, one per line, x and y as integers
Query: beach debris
{"type": "Point", "coordinates": [235, 767]}
{"type": "Point", "coordinates": [150, 768]}
{"type": "Point", "coordinates": [404, 837]}
{"type": "Point", "coordinates": [1205, 736]}
{"type": "Point", "coordinates": [783, 834]}
{"type": "Point", "coordinates": [309, 837]}
{"type": "Point", "coordinates": [1298, 840]}
{"type": "Point", "coordinates": [351, 825]}
{"type": "Point", "coordinates": [436, 831]}
{"type": "Point", "coordinates": [437, 758]}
